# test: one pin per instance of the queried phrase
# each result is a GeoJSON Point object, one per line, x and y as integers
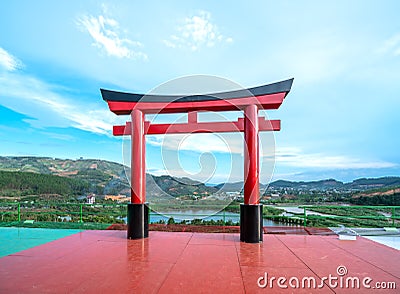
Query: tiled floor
{"type": "Point", "coordinates": [106, 262]}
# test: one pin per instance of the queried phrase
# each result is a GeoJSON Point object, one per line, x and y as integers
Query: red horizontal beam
{"type": "Point", "coordinates": [200, 127]}
{"type": "Point", "coordinates": [270, 101]}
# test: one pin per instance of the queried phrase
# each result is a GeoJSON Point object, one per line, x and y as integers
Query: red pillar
{"type": "Point", "coordinates": [138, 167]}
{"type": "Point", "coordinates": [251, 156]}
{"type": "Point", "coordinates": [251, 220]}
{"type": "Point", "coordinates": [144, 163]}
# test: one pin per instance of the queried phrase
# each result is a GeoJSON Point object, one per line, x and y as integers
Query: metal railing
{"type": "Point", "coordinates": [59, 212]}
{"type": "Point", "coordinates": [85, 213]}
{"type": "Point", "coordinates": [314, 215]}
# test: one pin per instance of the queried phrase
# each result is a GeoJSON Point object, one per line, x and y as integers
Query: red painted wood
{"type": "Point", "coordinates": [204, 127]}
{"type": "Point", "coordinates": [138, 174]}
{"type": "Point", "coordinates": [143, 171]}
{"type": "Point", "coordinates": [271, 101]}
{"type": "Point", "coordinates": [251, 155]}
{"type": "Point", "coordinates": [192, 117]}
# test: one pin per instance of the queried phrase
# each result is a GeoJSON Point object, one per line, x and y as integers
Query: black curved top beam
{"type": "Point", "coordinates": [279, 87]}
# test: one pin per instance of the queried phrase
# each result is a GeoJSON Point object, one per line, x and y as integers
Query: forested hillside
{"type": "Point", "coordinates": [27, 183]}
{"type": "Point", "coordinates": [377, 197]}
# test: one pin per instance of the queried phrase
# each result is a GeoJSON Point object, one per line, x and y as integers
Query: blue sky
{"type": "Point", "coordinates": [340, 121]}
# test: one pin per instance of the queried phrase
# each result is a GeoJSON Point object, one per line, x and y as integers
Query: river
{"type": "Point", "coordinates": [180, 215]}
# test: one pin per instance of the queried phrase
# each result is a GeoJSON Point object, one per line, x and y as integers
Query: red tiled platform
{"type": "Point", "coordinates": [297, 230]}
{"type": "Point", "coordinates": [106, 262]}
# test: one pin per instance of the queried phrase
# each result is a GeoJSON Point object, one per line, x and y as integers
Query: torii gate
{"type": "Point", "coordinates": [249, 101]}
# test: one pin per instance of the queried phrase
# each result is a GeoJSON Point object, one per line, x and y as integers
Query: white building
{"type": "Point", "coordinates": [91, 199]}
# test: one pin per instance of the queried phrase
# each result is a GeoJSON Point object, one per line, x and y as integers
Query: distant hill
{"type": "Point", "coordinates": [103, 177]}
{"type": "Point", "coordinates": [281, 184]}
{"type": "Point", "coordinates": [322, 185]}
{"type": "Point", "coordinates": [383, 182]}
{"type": "Point", "coordinates": [359, 184]}
{"type": "Point", "coordinates": [230, 187]}
{"type": "Point", "coordinates": [316, 185]}
{"type": "Point", "coordinates": [14, 183]}
{"type": "Point", "coordinates": [167, 185]}
{"type": "Point", "coordinates": [381, 196]}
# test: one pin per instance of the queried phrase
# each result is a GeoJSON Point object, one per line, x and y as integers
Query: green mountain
{"type": "Point", "coordinates": [28, 183]}
{"type": "Point", "coordinates": [100, 177]}
{"type": "Point", "coordinates": [379, 196]}
{"type": "Point", "coordinates": [322, 185]}
{"type": "Point", "coordinates": [109, 178]}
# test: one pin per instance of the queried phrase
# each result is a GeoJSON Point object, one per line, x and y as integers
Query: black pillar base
{"type": "Point", "coordinates": [138, 221]}
{"type": "Point", "coordinates": [251, 223]}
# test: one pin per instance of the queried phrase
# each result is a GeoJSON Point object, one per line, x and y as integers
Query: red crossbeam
{"type": "Point", "coordinates": [270, 101]}
{"type": "Point", "coordinates": [199, 127]}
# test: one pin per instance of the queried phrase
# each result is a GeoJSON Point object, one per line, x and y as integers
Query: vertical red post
{"type": "Point", "coordinates": [251, 220]}
{"type": "Point", "coordinates": [251, 156]}
{"type": "Point", "coordinates": [192, 117]}
{"type": "Point", "coordinates": [144, 165]}
{"type": "Point", "coordinates": [138, 170]}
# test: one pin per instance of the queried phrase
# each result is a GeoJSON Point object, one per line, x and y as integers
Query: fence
{"type": "Point", "coordinates": [27, 213]}
{"type": "Point", "coordinates": [99, 215]}
{"type": "Point", "coordinates": [313, 215]}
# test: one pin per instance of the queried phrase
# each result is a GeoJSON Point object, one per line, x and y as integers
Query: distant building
{"type": "Point", "coordinates": [118, 198]}
{"type": "Point", "coordinates": [91, 199]}
{"type": "Point", "coordinates": [93, 166]}
{"type": "Point", "coordinates": [271, 196]}
{"type": "Point", "coordinates": [65, 218]}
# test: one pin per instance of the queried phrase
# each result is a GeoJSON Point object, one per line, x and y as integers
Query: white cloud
{"type": "Point", "coordinates": [63, 137]}
{"type": "Point", "coordinates": [200, 143]}
{"type": "Point", "coordinates": [295, 157]}
{"type": "Point", "coordinates": [314, 57]}
{"type": "Point", "coordinates": [391, 45]}
{"type": "Point", "coordinates": [8, 61]}
{"type": "Point", "coordinates": [106, 33]}
{"type": "Point", "coordinates": [154, 140]}
{"type": "Point", "coordinates": [204, 143]}
{"type": "Point", "coordinates": [196, 32]}
{"type": "Point", "coordinates": [285, 156]}
{"type": "Point", "coordinates": [46, 108]}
